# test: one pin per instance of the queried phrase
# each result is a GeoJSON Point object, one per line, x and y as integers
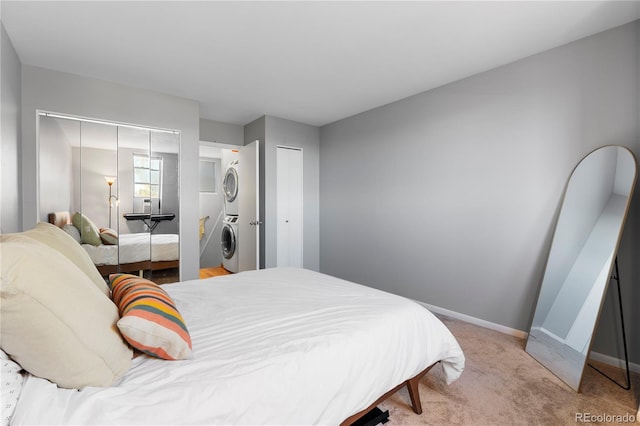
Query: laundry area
{"type": "Point", "coordinates": [258, 197]}
{"type": "Point", "coordinates": [220, 177]}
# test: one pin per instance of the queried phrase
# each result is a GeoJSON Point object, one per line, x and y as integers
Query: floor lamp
{"type": "Point", "coordinates": [110, 180]}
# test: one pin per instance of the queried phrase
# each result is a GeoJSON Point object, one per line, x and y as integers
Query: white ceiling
{"type": "Point", "coordinates": [312, 62]}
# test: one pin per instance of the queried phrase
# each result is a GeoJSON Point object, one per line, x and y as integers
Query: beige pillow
{"type": "Point", "coordinates": [88, 230]}
{"type": "Point", "coordinates": [62, 242]}
{"type": "Point", "coordinates": [55, 323]}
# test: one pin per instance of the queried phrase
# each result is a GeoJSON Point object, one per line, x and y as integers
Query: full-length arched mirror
{"type": "Point", "coordinates": [581, 258]}
{"type": "Point", "coordinates": [123, 179]}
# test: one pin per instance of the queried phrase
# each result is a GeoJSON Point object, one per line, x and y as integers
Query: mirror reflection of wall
{"type": "Point", "coordinates": [580, 261]}
{"type": "Point", "coordinates": [164, 149]}
{"type": "Point", "coordinates": [94, 157]}
{"type": "Point", "coordinates": [211, 205]}
{"type": "Point", "coordinates": [77, 161]}
{"type": "Point", "coordinates": [57, 137]}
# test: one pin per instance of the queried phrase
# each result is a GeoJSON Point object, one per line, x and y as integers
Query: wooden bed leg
{"type": "Point", "coordinates": [414, 394]}
{"type": "Point", "coordinates": [412, 386]}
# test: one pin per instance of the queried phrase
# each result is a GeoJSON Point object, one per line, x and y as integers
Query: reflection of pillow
{"type": "Point", "coordinates": [88, 230]}
{"type": "Point", "coordinates": [73, 232]}
{"type": "Point", "coordinates": [58, 240]}
{"type": "Point", "coordinates": [109, 236]}
{"type": "Point", "coordinates": [12, 380]}
{"type": "Point", "coordinates": [55, 323]}
{"type": "Point", "coordinates": [149, 319]}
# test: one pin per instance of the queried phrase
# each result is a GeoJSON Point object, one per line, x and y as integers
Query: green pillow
{"type": "Point", "coordinates": [89, 233]}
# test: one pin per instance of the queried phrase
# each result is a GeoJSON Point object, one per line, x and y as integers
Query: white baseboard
{"type": "Point", "coordinates": [616, 362]}
{"type": "Point", "coordinates": [596, 356]}
{"type": "Point", "coordinates": [476, 321]}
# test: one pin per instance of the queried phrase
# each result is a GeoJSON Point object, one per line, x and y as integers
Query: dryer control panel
{"type": "Point", "coordinates": [231, 219]}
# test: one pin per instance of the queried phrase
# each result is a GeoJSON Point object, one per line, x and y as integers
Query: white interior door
{"type": "Point", "coordinates": [289, 206]}
{"type": "Point", "coordinates": [249, 207]}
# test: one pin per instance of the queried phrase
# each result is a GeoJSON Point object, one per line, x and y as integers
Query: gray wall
{"type": "Point", "coordinates": [450, 197]}
{"type": "Point", "coordinates": [281, 132]}
{"type": "Point", "coordinates": [219, 132]}
{"type": "Point", "coordinates": [211, 204]}
{"type": "Point", "coordinates": [273, 132]}
{"type": "Point", "coordinates": [10, 112]}
{"type": "Point", "coordinates": [74, 95]}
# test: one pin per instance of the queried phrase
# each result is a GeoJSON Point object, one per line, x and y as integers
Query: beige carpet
{"type": "Point", "coordinates": [503, 385]}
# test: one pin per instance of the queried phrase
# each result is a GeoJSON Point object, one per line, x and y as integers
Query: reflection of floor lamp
{"type": "Point", "coordinates": [110, 180]}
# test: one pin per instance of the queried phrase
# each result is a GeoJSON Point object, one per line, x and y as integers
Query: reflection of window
{"type": "Point", "coordinates": [147, 176]}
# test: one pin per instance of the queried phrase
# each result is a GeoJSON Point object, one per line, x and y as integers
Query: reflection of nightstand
{"type": "Point", "coordinates": [150, 220]}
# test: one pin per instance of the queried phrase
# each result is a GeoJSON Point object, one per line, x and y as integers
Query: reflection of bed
{"type": "Point", "coordinates": [133, 253]}
{"type": "Point", "coordinates": [277, 346]}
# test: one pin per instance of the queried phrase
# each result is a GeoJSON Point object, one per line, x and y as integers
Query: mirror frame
{"type": "Point", "coordinates": [570, 262]}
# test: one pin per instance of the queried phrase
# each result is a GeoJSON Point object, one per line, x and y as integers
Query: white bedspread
{"type": "Point", "coordinates": [276, 346]}
{"type": "Point", "coordinates": [135, 248]}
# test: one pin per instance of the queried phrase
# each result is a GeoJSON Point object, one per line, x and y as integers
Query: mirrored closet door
{"type": "Point", "coordinates": [119, 186]}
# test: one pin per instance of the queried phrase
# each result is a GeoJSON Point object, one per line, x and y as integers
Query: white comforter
{"type": "Point", "coordinates": [133, 248]}
{"type": "Point", "coordinates": [277, 346]}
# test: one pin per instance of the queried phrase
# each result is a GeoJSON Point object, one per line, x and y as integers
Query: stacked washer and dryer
{"type": "Point", "coordinates": [229, 235]}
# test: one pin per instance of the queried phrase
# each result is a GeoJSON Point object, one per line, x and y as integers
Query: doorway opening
{"type": "Point", "coordinates": [214, 160]}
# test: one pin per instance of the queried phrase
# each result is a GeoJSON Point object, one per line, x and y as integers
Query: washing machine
{"type": "Point", "coordinates": [230, 188]}
{"type": "Point", "coordinates": [229, 243]}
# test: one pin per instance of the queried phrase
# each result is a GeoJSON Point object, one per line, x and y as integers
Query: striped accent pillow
{"type": "Point", "coordinates": [149, 320]}
{"type": "Point", "coordinates": [108, 236]}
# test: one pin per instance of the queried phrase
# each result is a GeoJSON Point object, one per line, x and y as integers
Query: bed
{"type": "Point", "coordinates": [274, 346]}
{"type": "Point", "coordinates": [133, 252]}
